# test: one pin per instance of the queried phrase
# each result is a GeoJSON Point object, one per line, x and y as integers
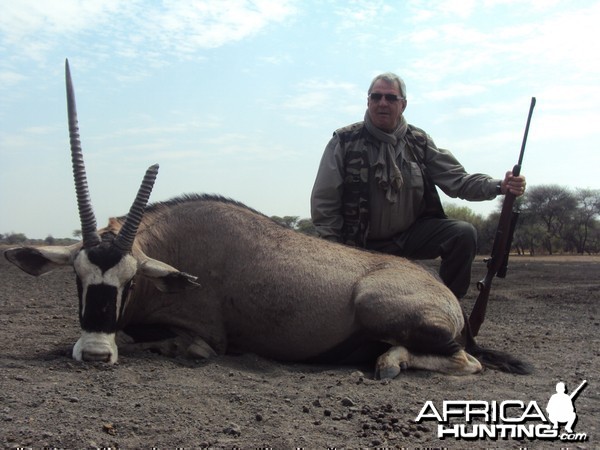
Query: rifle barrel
{"type": "Point", "coordinates": [531, 106]}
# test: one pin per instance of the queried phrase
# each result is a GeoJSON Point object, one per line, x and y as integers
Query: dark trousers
{"type": "Point", "coordinates": [454, 241]}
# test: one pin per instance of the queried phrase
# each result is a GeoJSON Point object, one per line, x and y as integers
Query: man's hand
{"type": "Point", "coordinates": [512, 184]}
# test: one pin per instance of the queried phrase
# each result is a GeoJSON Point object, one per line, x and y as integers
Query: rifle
{"type": "Point", "coordinates": [497, 264]}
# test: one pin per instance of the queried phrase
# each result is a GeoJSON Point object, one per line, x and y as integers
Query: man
{"type": "Point", "coordinates": [375, 188]}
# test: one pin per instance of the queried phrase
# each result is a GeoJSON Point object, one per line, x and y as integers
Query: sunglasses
{"type": "Point", "coordinates": [376, 97]}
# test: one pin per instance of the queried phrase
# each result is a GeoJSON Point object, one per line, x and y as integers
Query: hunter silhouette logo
{"type": "Point", "coordinates": [506, 419]}
{"type": "Point", "coordinates": [560, 406]}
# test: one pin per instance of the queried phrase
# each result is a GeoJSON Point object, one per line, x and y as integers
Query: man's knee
{"type": "Point", "coordinates": [467, 230]}
{"type": "Point", "coordinates": [466, 235]}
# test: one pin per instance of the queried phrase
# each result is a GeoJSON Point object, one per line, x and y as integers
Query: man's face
{"type": "Point", "coordinates": [385, 114]}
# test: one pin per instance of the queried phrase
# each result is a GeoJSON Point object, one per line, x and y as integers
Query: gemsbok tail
{"type": "Point", "coordinates": [494, 359]}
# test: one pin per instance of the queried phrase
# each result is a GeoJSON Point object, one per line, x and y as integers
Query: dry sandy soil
{"type": "Point", "coordinates": [545, 312]}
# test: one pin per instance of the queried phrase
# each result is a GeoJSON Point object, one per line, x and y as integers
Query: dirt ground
{"type": "Point", "coordinates": [545, 312]}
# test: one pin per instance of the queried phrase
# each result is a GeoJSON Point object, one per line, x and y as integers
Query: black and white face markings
{"type": "Point", "coordinates": [104, 278]}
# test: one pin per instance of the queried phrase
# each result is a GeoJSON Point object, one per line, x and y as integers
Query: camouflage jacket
{"type": "Point", "coordinates": [355, 199]}
{"type": "Point", "coordinates": [341, 197]}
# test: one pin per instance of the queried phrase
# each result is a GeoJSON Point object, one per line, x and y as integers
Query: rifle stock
{"type": "Point", "coordinates": [494, 263]}
{"type": "Point", "coordinates": [497, 264]}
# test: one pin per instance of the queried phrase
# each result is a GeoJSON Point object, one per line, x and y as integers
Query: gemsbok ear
{"type": "Point", "coordinates": [165, 277]}
{"type": "Point", "coordinates": [40, 260]}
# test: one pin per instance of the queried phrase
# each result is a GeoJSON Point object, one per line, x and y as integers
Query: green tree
{"type": "Point", "coordinates": [287, 221]}
{"type": "Point", "coordinates": [15, 238]}
{"type": "Point", "coordinates": [584, 220]}
{"type": "Point", "coordinates": [554, 206]}
{"type": "Point", "coordinates": [306, 226]}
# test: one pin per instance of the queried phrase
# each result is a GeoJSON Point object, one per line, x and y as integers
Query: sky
{"type": "Point", "coordinates": [239, 98]}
